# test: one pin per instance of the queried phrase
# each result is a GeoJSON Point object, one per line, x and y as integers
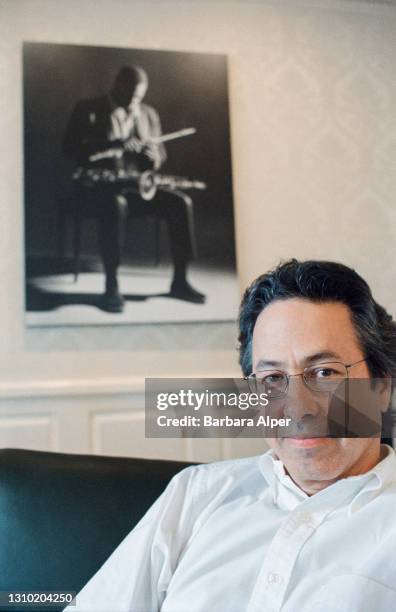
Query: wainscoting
{"type": "Point", "coordinates": [100, 417]}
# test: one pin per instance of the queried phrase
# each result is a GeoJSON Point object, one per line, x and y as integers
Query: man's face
{"type": "Point", "coordinates": [137, 96]}
{"type": "Point", "coordinates": [129, 95]}
{"type": "Point", "coordinates": [290, 335]}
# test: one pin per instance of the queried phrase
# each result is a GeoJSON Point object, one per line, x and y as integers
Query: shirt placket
{"type": "Point", "coordinates": [270, 588]}
{"type": "Point", "coordinates": [277, 568]}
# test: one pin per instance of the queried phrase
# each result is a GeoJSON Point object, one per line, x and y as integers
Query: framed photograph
{"type": "Point", "coordinates": [128, 186]}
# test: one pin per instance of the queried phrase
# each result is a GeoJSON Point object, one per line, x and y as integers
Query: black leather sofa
{"type": "Point", "coordinates": [62, 515]}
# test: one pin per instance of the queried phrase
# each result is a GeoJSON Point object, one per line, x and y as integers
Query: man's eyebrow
{"type": "Point", "coordinates": [321, 355]}
{"type": "Point", "coordinates": [308, 360]}
{"type": "Point", "coordinates": [268, 363]}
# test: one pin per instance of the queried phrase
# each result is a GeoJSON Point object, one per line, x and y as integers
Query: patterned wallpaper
{"type": "Point", "coordinates": [321, 139]}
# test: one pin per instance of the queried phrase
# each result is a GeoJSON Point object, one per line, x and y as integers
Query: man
{"type": "Point", "coordinates": [115, 132]}
{"type": "Point", "coordinates": [308, 526]}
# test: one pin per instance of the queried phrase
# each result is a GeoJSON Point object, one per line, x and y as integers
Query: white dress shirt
{"type": "Point", "coordinates": [240, 536]}
{"type": "Point", "coordinates": [122, 123]}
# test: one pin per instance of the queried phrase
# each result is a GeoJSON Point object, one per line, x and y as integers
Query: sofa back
{"type": "Point", "coordinates": [62, 515]}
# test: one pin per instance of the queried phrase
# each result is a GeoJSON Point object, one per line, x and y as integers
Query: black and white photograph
{"type": "Point", "coordinates": [128, 186]}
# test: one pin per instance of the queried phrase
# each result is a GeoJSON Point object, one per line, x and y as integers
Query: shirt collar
{"type": "Point", "coordinates": [361, 488]}
{"type": "Point", "coordinates": [379, 477]}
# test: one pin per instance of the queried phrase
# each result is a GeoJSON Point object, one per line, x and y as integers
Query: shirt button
{"type": "Point", "coordinates": [306, 519]}
{"type": "Point", "coordinates": [273, 578]}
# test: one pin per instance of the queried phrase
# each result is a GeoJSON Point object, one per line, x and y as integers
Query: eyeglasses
{"type": "Point", "coordinates": [321, 378]}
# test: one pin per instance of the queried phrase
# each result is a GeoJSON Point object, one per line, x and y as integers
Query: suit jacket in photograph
{"type": "Point", "coordinates": [88, 129]}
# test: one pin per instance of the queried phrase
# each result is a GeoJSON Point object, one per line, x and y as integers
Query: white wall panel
{"type": "Point", "coordinates": [102, 418]}
{"type": "Point", "coordinates": [34, 432]}
{"type": "Point", "coordinates": [122, 434]}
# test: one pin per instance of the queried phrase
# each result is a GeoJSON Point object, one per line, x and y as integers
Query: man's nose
{"type": "Point", "coordinates": [300, 401]}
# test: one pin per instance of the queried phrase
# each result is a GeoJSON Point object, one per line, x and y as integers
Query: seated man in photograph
{"type": "Point", "coordinates": [117, 132]}
{"type": "Point", "coordinates": [310, 524]}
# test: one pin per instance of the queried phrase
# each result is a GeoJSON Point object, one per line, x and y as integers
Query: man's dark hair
{"type": "Point", "coordinates": [130, 76]}
{"type": "Point", "coordinates": [322, 281]}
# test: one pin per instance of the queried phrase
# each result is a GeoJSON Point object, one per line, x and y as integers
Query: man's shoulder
{"type": "Point", "coordinates": [98, 104]}
{"type": "Point", "coordinates": [225, 466]}
{"type": "Point", "coordinates": [244, 473]}
{"type": "Point", "coordinates": [148, 110]}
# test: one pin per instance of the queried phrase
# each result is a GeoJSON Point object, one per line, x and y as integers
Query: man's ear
{"type": "Point", "coordinates": [384, 392]}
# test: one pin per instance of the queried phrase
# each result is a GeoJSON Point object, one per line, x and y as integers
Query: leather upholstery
{"type": "Point", "coordinates": [62, 515]}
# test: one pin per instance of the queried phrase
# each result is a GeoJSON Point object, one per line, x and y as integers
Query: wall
{"type": "Point", "coordinates": [313, 119]}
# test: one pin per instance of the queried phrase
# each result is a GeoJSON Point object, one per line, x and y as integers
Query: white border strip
{"type": "Point", "coordinates": [71, 388]}
{"type": "Point", "coordinates": [85, 387]}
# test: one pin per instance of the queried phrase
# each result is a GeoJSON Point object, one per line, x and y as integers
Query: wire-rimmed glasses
{"type": "Point", "coordinates": [321, 378]}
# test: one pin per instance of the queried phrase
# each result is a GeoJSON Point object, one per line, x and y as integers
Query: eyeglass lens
{"type": "Point", "coordinates": [322, 378]}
